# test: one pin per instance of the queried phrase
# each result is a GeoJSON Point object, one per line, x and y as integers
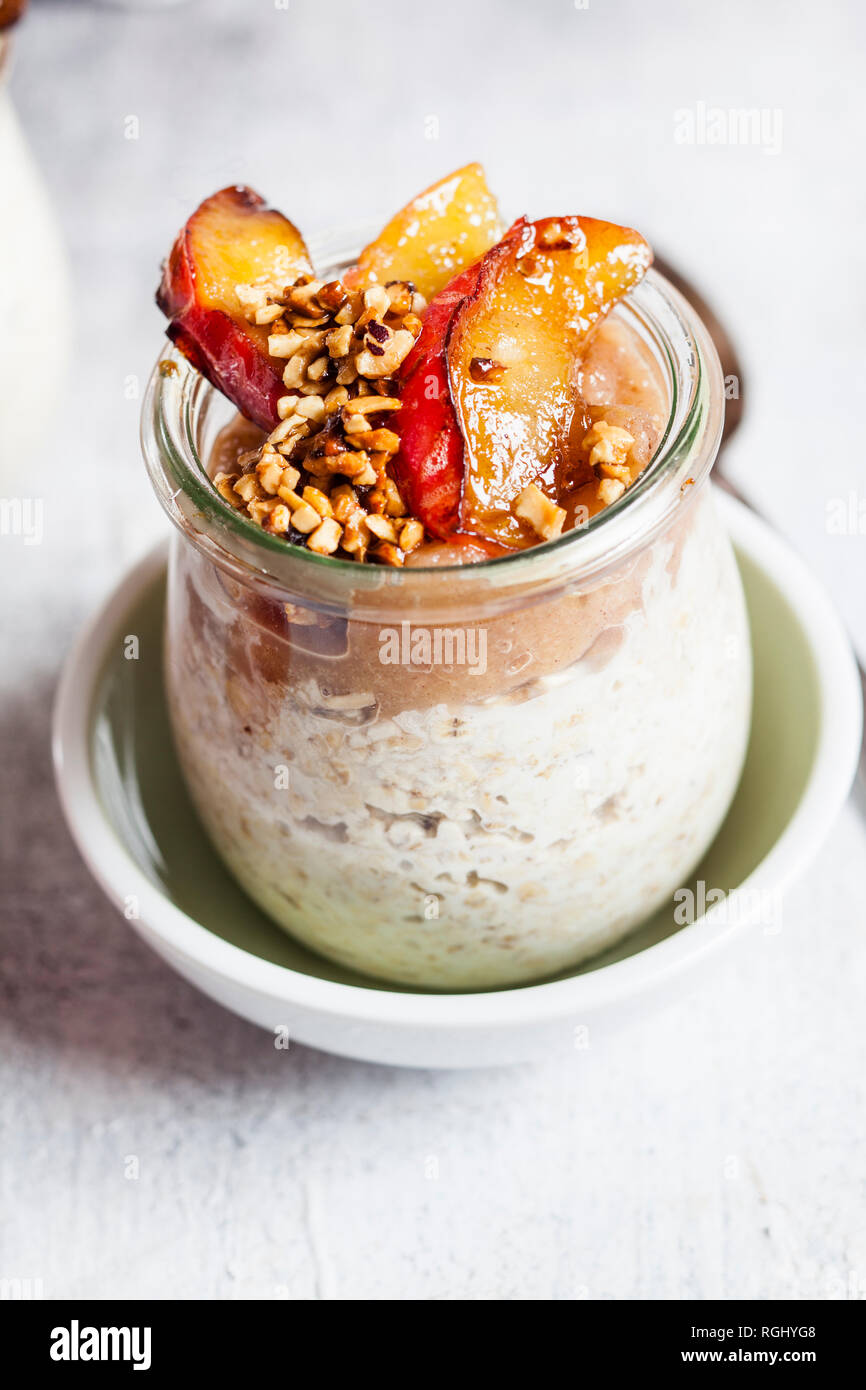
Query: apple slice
{"type": "Point", "coordinates": [233, 238]}
{"type": "Point", "coordinates": [429, 465]}
{"type": "Point", "coordinates": [447, 227]}
{"type": "Point", "coordinates": [512, 353]}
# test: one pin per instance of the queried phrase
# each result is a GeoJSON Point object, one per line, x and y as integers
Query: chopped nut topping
{"type": "Point", "coordinates": [326, 537]}
{"type": "Point", "coordinates": [607, 447]}
{"type": "Point", "coordinates": [268, 313]}
{"type": "Point", "coordinates": [284, 344]}
{"type": "Point", "coordinates": [305, 518]}
{"type": "Point", "coordinates": [411, 535]}
{"type": "Point", "coordinates": [369, 405]}
{"type": "Point", "coordinates": [400, 294]}
{"type": "Point", "coordinates": [279, 520]}
{"type": "Point", "coordinates": [544, 516]}
{"type": "Point", "coordinates": [317, 369]}
{"type": "Point", "coordinates": [356, 424]}
{"type": "Point", "coordinates": [335, 400]}
{"type": "Point", "coordinates": [385, 360]}
{"type": "Point", "coordinates": [249, 488]}
{"type": "Point", "coordinates": [319, 500]}
{"type": "Point", "coordinates": [269, 471]}
{"type": "Point", "coordinates": [381, 442]}
{"type": "Point", "coordinates": [312, 408]}
{"type": "Point", "coordinates": [609, 490]}
{"type": "Point", "coordinates": [261, 510]}
{"type": "Point", "coordinates": [339, 340]}
{"type": "Point", "coordinates": [383, 527]}
{"type": "Point", "coordinates": [377, 304]}
{"type": "Point", "coordinates": [344, 501]}
{"type": "Point", "coordinates": [356, 535]}
{"type": "Point", "coordinates": [225, 486]}
{"type": "Point", "coordinates": [341, 352]}
{"type": "Point", "coordinates": [390, 554]}
{"type": "Point", "coordinates": [332, 296]}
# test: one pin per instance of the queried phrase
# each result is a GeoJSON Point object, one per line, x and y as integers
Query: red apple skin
{"type": "Point", "coordinates": [429, 465]}
{"type": "Point", "coordinates": [233, 363]}
{"type": "Point", "coordinates": [231, 238]}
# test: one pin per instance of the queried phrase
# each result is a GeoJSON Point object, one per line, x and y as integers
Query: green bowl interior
{"type": "Point", "coordinates": [144, 797]}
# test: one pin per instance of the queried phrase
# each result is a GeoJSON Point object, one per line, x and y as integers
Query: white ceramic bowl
{"type": "Point", "coordinates": [808, 708]}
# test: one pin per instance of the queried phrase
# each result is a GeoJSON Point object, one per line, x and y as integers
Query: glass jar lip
{"type": "Point", "coordinates": [175, 406]}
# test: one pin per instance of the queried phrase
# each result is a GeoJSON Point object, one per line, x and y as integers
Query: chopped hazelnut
{"type": "Point", "coordinates": [382, 441]}
{"type": "Point", "coordinates": [607, 444]}
{"type": "Point", "coordinates": [388, 359]}
{"type": "Point", "coordinates": [344, 500]}
{"type": "Point", "coordinates": [369, 405]}
{"type": "Point", "coordinates": [399, 294]}
{"type": "Point", "coordinates": [260, 510]}
{"type": "Point", "coordinates": [411, 535]}
{"type": "Point", "coordinates": [389, 554]}
{"type": "Point", "coordinates": [544, 516]}
{"type": "Point", "coordinates": [312, 408]}
{"type": "Point", "coordinates": [319, 500]}
{"type": "Point", "coordinates": [295, 371]}
{"type": "Point", "coordinates": [609, 490]}
{"type": "Point", "coordinates": [326, 537]}
{"type": "Point", "coordinates": [339, 340]}
{"type": "Point", "coordinates": [249, 488]}
{"type": "Point", "coordinates": [347, 374]}
{"type": "Point", "coordinates": [267, 313]}
{"type": "Point", "coordinates": [355, 424]}
{"type": "Point", "coordinates": [284, 344]}
{"type": "Point", "coordinates": [383, 527]}
{"type": "Point", "coordinates": [279, 520]}
{"type": "Point", "coordinates": [356, 534]}
{"type": "Point", "coordinates": [332, 296]}
{"type": "Point", "coordinates": [366, 335]}
{"type": "Point", "coordinates": [269, 471]}
{"type": "Point", "coordinates": [394, 505]}
{"type": "Point", "coordinates": [289, 478]}
{"type": "Point", "coordinates": [335, 400]}
{"type": "Point", "coordinates": [317, 369]}
{"type": "Point", "coordinates": [224, 484]}
{"type": "Point", "coordinates": [376, 304]}
{"type": "Point", "coordinates": [305, 518]}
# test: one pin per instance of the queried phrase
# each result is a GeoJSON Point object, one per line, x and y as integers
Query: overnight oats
{"type": "Point", "coordinates": [457, 658]}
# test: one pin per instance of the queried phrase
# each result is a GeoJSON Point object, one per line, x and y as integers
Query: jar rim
{"type": "Point", "coordinates": [175, 408]}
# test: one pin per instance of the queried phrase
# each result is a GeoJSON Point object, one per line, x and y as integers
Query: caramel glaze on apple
{"type": "Point", "coordinates": [620, 382]}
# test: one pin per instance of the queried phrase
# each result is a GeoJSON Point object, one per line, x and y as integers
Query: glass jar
{"type": "Point", "coordinates": [462, 777]}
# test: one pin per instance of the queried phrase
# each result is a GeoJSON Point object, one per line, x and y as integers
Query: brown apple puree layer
{"type": "Point", "coordinates": [348, 661]}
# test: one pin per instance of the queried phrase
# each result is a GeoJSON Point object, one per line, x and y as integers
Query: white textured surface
{"type": "Point", "coordinates": [713, 1150]}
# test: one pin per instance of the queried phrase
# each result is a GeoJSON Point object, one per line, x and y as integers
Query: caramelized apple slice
{"type": "Point", "coordinates": [444, 229]}
{"type": "Point", "coordinates": [513, 351]}
{"type": "Point", "coordinates": [232, 239]}
{"type": "Point", "coordinates": [429, 465]}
